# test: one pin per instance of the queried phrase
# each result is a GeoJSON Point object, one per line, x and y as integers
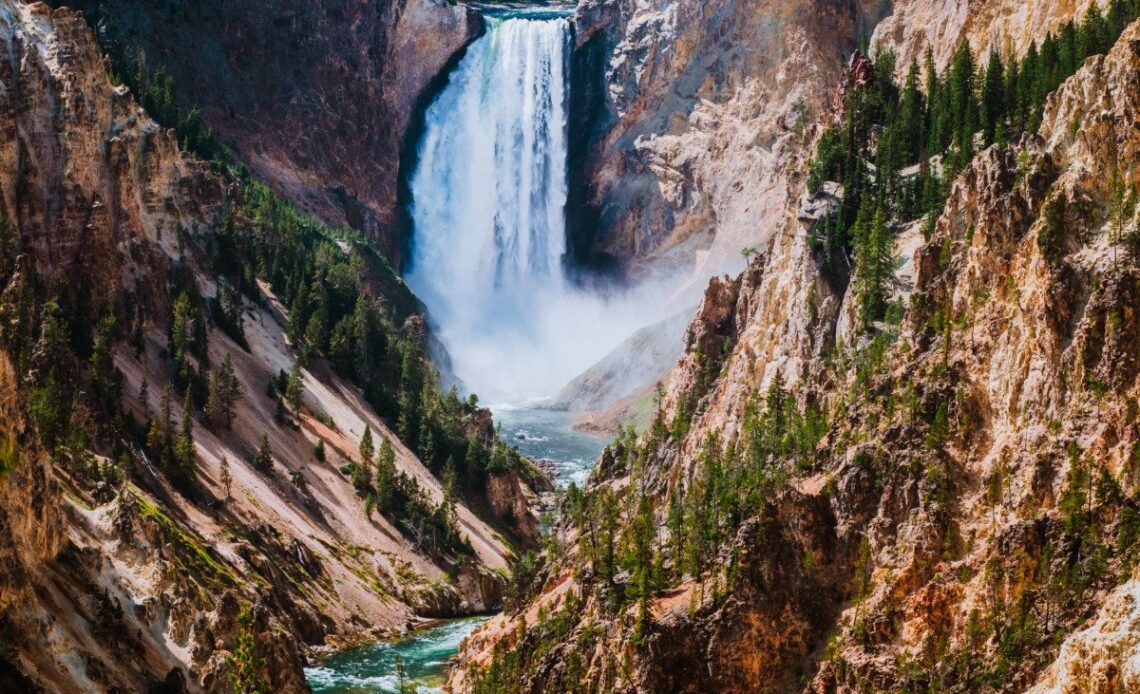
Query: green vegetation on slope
{"type": "Point", "coordinates": [935, 127]}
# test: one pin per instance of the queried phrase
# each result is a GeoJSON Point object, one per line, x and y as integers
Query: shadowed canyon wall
{"type": "Point", "coordinates": [317, 98]}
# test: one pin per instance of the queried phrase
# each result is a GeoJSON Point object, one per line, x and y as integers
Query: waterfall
{"type": "Point", "coordinates": [489, 198]}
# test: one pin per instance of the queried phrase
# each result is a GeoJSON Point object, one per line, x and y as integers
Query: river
{"type": "Point", "coordinates": [371, 667]}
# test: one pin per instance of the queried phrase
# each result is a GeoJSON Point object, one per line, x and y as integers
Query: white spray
{"type": "Point", "coordinates": [489, 204]}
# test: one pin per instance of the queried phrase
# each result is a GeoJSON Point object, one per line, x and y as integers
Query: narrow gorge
{"type": "Point", "coordinates": [597, 346]}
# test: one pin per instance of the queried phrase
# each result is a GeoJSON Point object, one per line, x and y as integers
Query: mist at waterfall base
{"type": "Point", "coordinates": [488, 208]}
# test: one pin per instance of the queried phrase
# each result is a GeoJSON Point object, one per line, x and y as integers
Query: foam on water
{"type": "Point", "coordinates": [371, 667]}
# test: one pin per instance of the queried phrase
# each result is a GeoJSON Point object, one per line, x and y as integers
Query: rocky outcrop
{"type": "Point", "coordinates": [318, 99]}
{"type": "Point", "coordinates": [706, 114]}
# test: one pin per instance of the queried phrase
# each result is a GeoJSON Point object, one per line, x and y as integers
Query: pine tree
{"type": "Point", "coordinates": [640, 559]}
{"type": "Point", "coordinates": [229, 390]}
{"type": "Point", "coordinates": [960, 83]}
{"type": "Point", "coordinates": [1068, 53]}
{"type": "Point", "coordinates": [874, 268]}
{"type": "Point", "coordinates": [367, 448]}
{"type": "Point", "coordinates": [608, 518]}
{"type": "Point", "coordinates": [185, 452]}
{"type": "Point", "coordinates": [1027, 96]}
{"type": "Point", "coordinates": [314, 338]}
{"type": "Point", "coordinates": [1095, 36]}
{"type": "Point", "coordinates": [181, 329]}
{"type": "Point", "coordinates": [264, 459]}
{"type": "Point", "coordinates": [214, 407]}
{"type": "Point", "coordinates": [294, 387]}
{"type": "Point", "coordinates": [225, 477]}
{"type": "Point", "coordinates": [675, 522]}
{"type": "Point", "coordinates": [103, 374]}
{"type": "Point", "coordinates": [993, 100]}
{"type": "Point", "coordinates": [158, 436]}
{"type": "Point", "coordinates": [386, 476]}
{"type": "Point", "coordinates": [1012, 105]}
{"type": "Point", "coordinates": [912, 116]}
{"type": "Point", "coordinates": [427, 447]}
{"type": "Point", "coordinates": [299, 312]}
{"type": "Point", "coordinates": [450, 488]}
{"type": "Point", "coordinates": [933, 104]}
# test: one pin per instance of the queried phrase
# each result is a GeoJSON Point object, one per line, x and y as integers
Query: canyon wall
{"type": "Point", "coordinates": [1004, 27]}
{"type": "Point", "coordinates": [705, 110]}
{"type": "Point", "coordinates": [317, 98]}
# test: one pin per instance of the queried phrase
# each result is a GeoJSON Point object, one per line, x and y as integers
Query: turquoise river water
{"type": "Point", "coordinates": [371, 668]}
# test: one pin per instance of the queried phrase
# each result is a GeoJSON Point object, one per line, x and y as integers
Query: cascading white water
{"type": "Point", "coordinates": [488, 207]}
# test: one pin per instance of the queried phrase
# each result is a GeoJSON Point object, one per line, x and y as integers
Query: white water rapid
{"type": "Point", "coordinates": [488, 208]}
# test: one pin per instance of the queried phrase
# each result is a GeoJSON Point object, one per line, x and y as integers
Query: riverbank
{"type": "Point", "coordinates": [426, 647]}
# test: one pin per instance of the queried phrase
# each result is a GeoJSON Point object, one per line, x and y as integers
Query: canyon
{"type": "Point", "coordinates": [353, 212]}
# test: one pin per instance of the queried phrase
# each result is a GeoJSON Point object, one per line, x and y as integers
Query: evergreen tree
{"type": "Point", "coordinates": [1012, 90]}
{"type": "Point", "coordinates": [993, 100]}
{"type": "Point", "coordinates": [450, 488]}
{"type": "Point", "coordinates": [214, 409]}
{"type": "Point", "coordinates": [675, 522]}
{"type": "Point", "coordinates": [912, 115]}
{"type": "Point", "coordinates": [264, 459]}
{"type": "Point", "coordinates": [1095, 35]}
{"type": "Point", "coordinates": [934, 102]}
{"type": "Point", "coordinates": [1027, 84]}
{"type": "Point", "coordinates": [874, 268]}
{"type": "Point", "coordinates": [367, 448]}
{"type": "Point", "coordinates": [640, 559]}
{"type": "Point", "coordinates": [229, 390]}
{"type": "Point", "coordinates": [185, 453]}
{"type": "Point", "coordinates": [294, 387]}
{"type": "Point", "coordinates": [386, 479]}
{"type": "Point", "coordinates": [225, 478]}
{"type": "Point", "coordinates": [314, 338]}
{"type": "Point", "coordinates": [427, 447]}
{"type": "Point", "coordinates": [104, 377]}
{"type": "Point", "coordinates": [1068, 49]}
{"type": "Point", "coordinates": [158, 436]}
{"type": "Point", "coordinates": [960, 84]}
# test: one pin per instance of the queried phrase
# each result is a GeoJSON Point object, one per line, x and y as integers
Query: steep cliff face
{"type": "Point", "coordinates": [113, 579]}
{"type": "Point", "coordinates": [318, 99]}
{"type": "Point", "coordinates": [705, 115]}
{"type": "Point", "coordinates": [963, 518]}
